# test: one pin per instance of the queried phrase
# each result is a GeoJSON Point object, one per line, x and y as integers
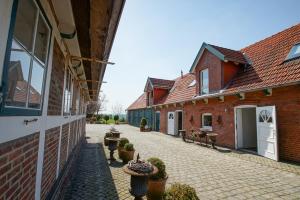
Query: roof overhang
{"type": "Point", "coordinates": [212, 50]}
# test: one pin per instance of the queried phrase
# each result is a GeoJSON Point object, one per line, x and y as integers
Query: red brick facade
{"type": "Point", "coordinates": [286, 100]}
{"type": "Point", "coordinates": [18, 163]}
{"type": "Point", "coordinates": [63, 146]}
{"type": "Point", "coordinates": [50, 160]}
{"type": "Point", "coordinates": [56, 82]}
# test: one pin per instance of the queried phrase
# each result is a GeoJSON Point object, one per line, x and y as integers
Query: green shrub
{"type": "Point", "coordinates": [123, 141]}
{"type": "Point", "coordinates": [106, 118]}
{"type": "Point", "coordinates": [122, 119]}
{"type": "Point", "coordinates": [143, 122]}
{"type": "Point", "coordinates": [108, 135]}
{"type": "Point", "coordinates": [128, 147]}
{"type": "Point", "coordinates": [98, 117]}
{"type": "Point", "coordinates": [161, 174]}
{"type": "Point", "coordinates": [179, 191]}
{"type": "Point", "coordinates": [116, 117]}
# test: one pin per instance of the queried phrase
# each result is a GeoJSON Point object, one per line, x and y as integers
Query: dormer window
{"type": "Point", "coordinates": [204, 80]}
{"type": "Point", "coordinates": [295, 52]}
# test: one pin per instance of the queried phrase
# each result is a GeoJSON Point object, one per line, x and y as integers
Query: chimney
{"type": "Point", "coordinates": [181, 74]}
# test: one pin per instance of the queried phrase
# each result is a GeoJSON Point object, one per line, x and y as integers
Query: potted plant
{"type": "Point", "coordinates": [128, 152]}
{"type": "Point", "coordinates": [157, 182]}
{"type": "Point", "coordinates": [143, 124]}
{"type": "Point", "coordinates": [179, 191]}
{"type": "Point", "coordinates": [107, 135]}
{"type": "Point", "coordinates": [121, 145]}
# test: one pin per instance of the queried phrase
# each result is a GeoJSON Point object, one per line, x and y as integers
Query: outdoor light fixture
{"type": "Point", "coordinates": [241, 96]}
{"type": "Point", "coordinates": [268, 91]}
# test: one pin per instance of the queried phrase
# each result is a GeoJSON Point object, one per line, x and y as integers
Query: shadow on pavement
{"type": "Point", "coordinates": [93, 178]}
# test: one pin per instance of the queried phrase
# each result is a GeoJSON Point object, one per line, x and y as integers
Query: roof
{"type": "Point", "coordinates": [269, 67]}
{"type": "Point", "coordinates": [159, 83]}
{"type": "Point", "coordinates": [222, 53]}
{"type": "Point", "coordinates": [180, 91]}
{"type": "Point", "coordinates": [139, 103]}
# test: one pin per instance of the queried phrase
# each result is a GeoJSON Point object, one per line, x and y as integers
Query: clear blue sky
{"type": "Point", "coordinates": [159, 38]}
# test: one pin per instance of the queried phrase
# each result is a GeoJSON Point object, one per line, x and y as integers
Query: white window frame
{"type": "Point", "coordinates": [292, 54]}
{"type": "Point", "coordinates": [202, 122]}
{"type": "Point", "coordinates": [201, 81]}
{"type": "Point", "coordinates": [68, 96]}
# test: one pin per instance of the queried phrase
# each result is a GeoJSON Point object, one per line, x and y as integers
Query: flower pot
{"type": "Point", "coordinates": [105, 142]}
{"type": "Point", "coordinates": [156, 189]}
{"type": "Point", "coordinates": [127, 156]}
{"type": "Point", "coordinates": [116, 134]}
{"type": "Point", "coordinates": [120, 152]}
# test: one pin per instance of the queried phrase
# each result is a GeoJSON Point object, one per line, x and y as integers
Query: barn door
{"type": "Point", "coordinates": [267, 132]}
{"type": "Point", "coordinates": [171, 123]}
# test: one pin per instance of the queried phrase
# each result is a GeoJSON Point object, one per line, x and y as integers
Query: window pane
{"type": "Point", "coordinates": [17, 76]}
{"type": "Point", "coordinates": [36, 85]}
{"type": "Point", "coordinates": [207, 120]}
{"type": "Point", "coordinates": [25, 23]}
{"type": "Point", "coordinates": [41, 40]}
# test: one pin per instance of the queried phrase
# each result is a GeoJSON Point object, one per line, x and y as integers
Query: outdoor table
{"type": "Point", "coordinates": [213, 138]}
{"type": "Point", "coordinates": [138, 182]}
{"type": "Point", "coordinates": [112, 146]}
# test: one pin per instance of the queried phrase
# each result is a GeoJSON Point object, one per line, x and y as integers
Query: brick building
{"type": "Point", "coordinates": [249, 97]}
{"type": "Point", "coordinates": [53, 56]}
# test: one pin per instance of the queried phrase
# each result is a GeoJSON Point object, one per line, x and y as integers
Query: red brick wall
{"type": "Point", "coordinates": [286, 100]}
{"type": "Point", "coordinates": [50, 160]}
{"type": "Point", "coordinates": [159, 94]}
{"type": "Point", "coordinates": [229, 71]}
{"type": "Point", "coordinates": [63, 146]}
{"type": "Point", "coordinates": [214, 65]}
{"type": "Point", "coordinates": [18, 162]}
{"type": "Point", "coordinates": [72, 136]}
{"type": "Point", "coordinates": [56, 82]}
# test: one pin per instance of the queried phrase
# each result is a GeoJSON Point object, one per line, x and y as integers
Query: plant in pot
{"type": "Point", "coordinates": [157, 182]}
{"type": "Point", "coordinates": [128, 153]}
{"type": "Point", "coordinates": [121, 146]}
{"type": "Point", "coordinates": [143, 124]}
{"type": "Point", "coordinates": [107, 135]}
{"type": "Point", "coordinates": [179, 191]}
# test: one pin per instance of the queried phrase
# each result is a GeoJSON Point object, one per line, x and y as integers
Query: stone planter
{"type": "Point", "coordinates": [120, 152]}
{"type": "Point", "coordinates": [112, 146]}
{"type": "Point", "coordinates": [116, 134]}
{"type": "Point", "coordinates": [127, 156]}
{"type": "Point", "coordinates": [156, 189]}
{"type": "Point", "coordinates": [105, 141]}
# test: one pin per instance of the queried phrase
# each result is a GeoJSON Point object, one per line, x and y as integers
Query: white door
{"type": "Point", "coordinates": [267, 132]}
{"type": "Point", "coordinates": [171, 123]}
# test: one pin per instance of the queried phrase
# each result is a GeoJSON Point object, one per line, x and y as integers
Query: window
{"type": "Point", "coordinates": [68, 92]}
{"type": "Point", "coordinates": [25, 68]}
{"type": "Point", "coordinates": [295, 52]}
{"type": "Point", "coordinates": [204, 82]}
{"type": "Point", "coordinates": [207, 121]}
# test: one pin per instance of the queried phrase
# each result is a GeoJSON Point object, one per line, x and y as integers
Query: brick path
{"type": "Point", "coordinates": [214, 174]}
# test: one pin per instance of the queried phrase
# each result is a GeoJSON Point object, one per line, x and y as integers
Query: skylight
{"type": "Point", "coordinates": [295, 52]}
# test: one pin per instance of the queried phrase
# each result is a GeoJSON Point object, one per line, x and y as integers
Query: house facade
{"type": "Point", "coordinates": [250, 97]}
{"type": "Point", "coordinates": [53, 56]}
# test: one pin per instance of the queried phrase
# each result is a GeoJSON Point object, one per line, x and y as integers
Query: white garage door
{"type": "Point", "coordinates": [171, 123]}
{"type": "Point", "coordinates": [267, 132]}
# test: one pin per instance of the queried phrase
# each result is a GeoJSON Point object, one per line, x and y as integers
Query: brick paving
{"type": "Point", "coordinates": [215, 174]}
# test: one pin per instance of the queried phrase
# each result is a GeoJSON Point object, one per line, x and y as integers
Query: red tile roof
{"type": "Point", "coordinates": [162, 83]}
{"type": "Point", "coordinates": [268, 66]}
{"type": "Point", "coordinates": [181, 91]}
{"type": "Point", "coordinates": [231, 55]}
{"type": "Point", "coordinates": [141, 102]}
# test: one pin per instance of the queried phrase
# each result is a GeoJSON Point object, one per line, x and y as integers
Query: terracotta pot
{"type": "Point", "coordinates": [120, 152]}
{"type": "Point", "coordinates": [156, 189]}
{"type": "Point", "coordinates": [127, 156]}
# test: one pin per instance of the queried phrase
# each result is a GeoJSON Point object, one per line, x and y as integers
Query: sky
{"type": "Point", "coordinates": [159, 38]}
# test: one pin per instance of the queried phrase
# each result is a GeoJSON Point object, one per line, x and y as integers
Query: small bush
{"type": "Point", "coordinates": [122, 119]}
{"type": "Point", "coordinates": [143, 122]}
{"type": "Point", "coordinates": [123, 141]}
{"type": "Point", "coordinates": [179, 191]}
{"type": "Point", "coordinates": [116, 118]}
{"type": "Point", "coordinates": [98, 118]}
{"type": "Point", "coordinates": [108, 135]}
{"type": "Point", "coordinates": [129, 147]}
{"type": "Point", "coordinates": [106, 118]}
{"type": "Point", "coordinates": [161, 174]}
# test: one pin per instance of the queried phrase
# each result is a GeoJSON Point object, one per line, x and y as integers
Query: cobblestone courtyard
{"type": "Point", "coordinates": [215, 174]}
